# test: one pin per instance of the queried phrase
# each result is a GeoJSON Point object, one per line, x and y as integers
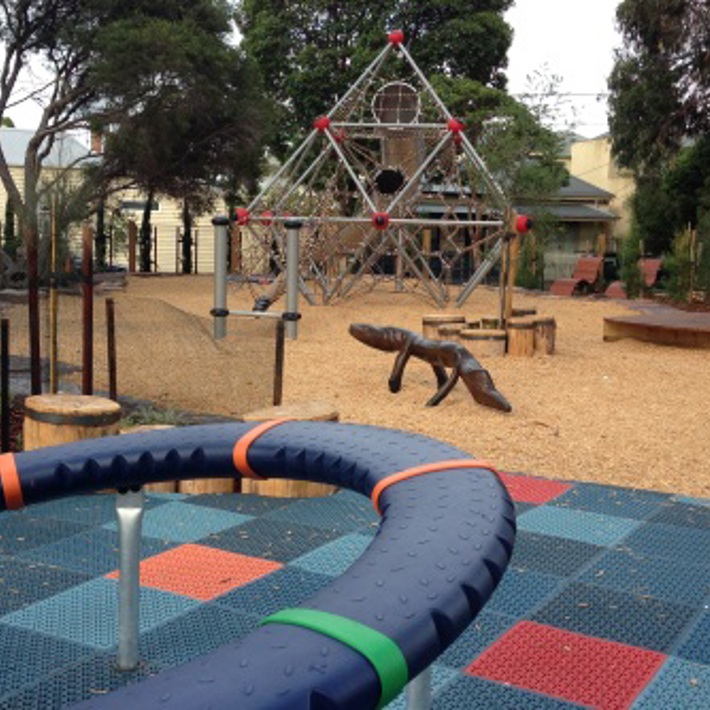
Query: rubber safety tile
{"type": "Point", "coordinates": [93, 551]}
{"type": "Point", "coordinates": [592, 528]}
{"type": "Point", "coordinates": [24, 582]}
{"type": "Point", "coordinates": [201, 572]}
{"type": "Point", "coordinates": [334, 557]}
{"type": "Point", "coordinates": [286, 588]}
{"type": "Point", "coordinates": [88, 678]}
{"type": "Point", "coordinates": [528, 489]}
{"type": "Point", "coordinates": [573, 667]}
{"type": "Point", "coordinates": [184, 522]}
{"type": "Point", "coordinates": [673, 542]}
{"type": "Point", "coordinates": [685, 515]}
{"type": "Point", "coordinates": [696, 644]}
{"type": "Point", "coordinates": [617, 616]}
{"type": "Point", "coordinates": [20, 532]}
{"type": "Point", "coordinates": [641, 575]}
{"type": "Point", "coordinates": [469, 692]}
{"type": "Point", "coordinates": [278, 540]}
{"type": "Point", "coordinates": [520, 592]}
{"type": "Point", "coordinates": [195, 633]}
{"type": "Point", "coordinates": [552, 555]}
{"type": "Point", "coordinates": [87, 614]}
{"type": "Point", "coordinates": [679, 684]}
{"type": "Point", "coordinates": [242, 504]}
{"type": "Point", "coordinates": [608, 500]}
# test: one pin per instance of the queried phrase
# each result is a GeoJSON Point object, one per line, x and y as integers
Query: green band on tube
{"type": "Point", "coordinates": [380, 650]}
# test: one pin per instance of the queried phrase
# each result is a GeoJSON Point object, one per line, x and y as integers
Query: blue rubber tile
{"type": "Point", "coordinates": [671, 542]}
{"type": "Point", "coordinates": [88, 614]}
{"type": "Point", "coordinates": [244, 504]}
{"type": "Point", "coordinates": [468, 692]}
{"type": "Point", "coordinates": [640, 575]}
{"type": "Point", "coordinates": [520, 592]}
{"type": "Point", "coordinates": [337, 513]}
{"type": "Point", "coordinates": [679, 684]}
{"type": "Point", "coordinates": [486, 628]}
{"type": "Point", "coordinates": [683, 514]}
{"type": "Point", "coordinates": [689, 500]}
{"type": "Point", "coordinates": [194, 633]}
{"type": "Point", "coordinates": [89, 678]}
{"type": "Point", "coordinates": [552, 555]}
{"type": "Point", "coordinates": [93, 552]}
{"type": "Point", "coordinates": [20, 531]}
{"type": "Point", "coordinates": [609, 500]}
{"type": "Point", "coordinates": [521, 507]}
{"type": "Point", "coordinates": [592, 528]}
{"type": "Point", "coordinates": [23, 582]}
{"type": "Point", "coordinates": [617, 616]}
{"type": "Point", "coordinates": [696, 645]}
{"type": "Point", "coordinates": [271, 539]}
{"type": "Point", "coordinates": [27, 655]}
{"type": "Point", "coordinates": [183, 522]}
{"type": "Point", "coordinates": [285, 588]}
{"type": "Point", "coordinates": [440, 678]}
{"type": "Point", "coordinates": [334, 557]}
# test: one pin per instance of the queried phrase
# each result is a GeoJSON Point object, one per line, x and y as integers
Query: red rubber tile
{"type": "Point", "coordinates": [581, 669]}
{"type": "Point", "coordinates": [201, 572]}
{"type": "Point", "coordinates": [525, 489]}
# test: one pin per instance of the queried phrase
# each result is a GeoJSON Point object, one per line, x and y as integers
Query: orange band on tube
{"type": "Point", "coordinates": [11, 486]}
{"type": "Point", "coordinates": [241, 448]}
{"type": "Point", "coordinates": [420, 470]}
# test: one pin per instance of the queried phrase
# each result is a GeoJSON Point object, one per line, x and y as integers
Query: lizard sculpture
{"type": "Point", "coordinates": [440, 354]}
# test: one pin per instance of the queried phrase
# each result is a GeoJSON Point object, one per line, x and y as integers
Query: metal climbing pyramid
{"type": "Point", "coordinates": [388, 188]}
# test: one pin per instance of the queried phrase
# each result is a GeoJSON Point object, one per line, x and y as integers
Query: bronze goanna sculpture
{"type": "Point", "coordinates": [440, 354]}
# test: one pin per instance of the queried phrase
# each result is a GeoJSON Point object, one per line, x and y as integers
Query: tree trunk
{"type": "Point", "coordinates": [146, 234]}
{"type": "Point", "coordinates": [31, 241]}
{"type": "Point", "coordinates": [186, 238]}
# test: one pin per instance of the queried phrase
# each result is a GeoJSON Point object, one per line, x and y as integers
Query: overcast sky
{"type": "Point", "coordinates": [574, 39]}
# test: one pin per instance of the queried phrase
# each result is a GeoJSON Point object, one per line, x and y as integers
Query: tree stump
{"type": "Point", "coordinates": [483, 342]}
{"type": "Point", "coordinates": [432, 322]}
{"type": "Point", "coordinates": [545, 332]}
{"type": "Point", "coordinates": [312, 411]}
{"type": "Point", "coordinates": [52, 419]}
{"type": "Point", "coordinates": [521, 337]}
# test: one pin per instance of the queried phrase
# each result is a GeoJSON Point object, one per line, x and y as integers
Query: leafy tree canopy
{"type": "Point", "coordinates": [311, 51]}
{"type": "Point", "coordinates": [660, 84]}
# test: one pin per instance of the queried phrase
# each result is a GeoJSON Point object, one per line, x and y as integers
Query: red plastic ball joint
{"type": "Point", "coordinates": [523, 224]}
{"type": "Point", "coordinates": [322, 123]}
{"type": "Point", "coordinates": [380, 220]}
{"type": "Point", "coordinates": [455, 126]}
{"type": "Point", "coordinates": [267, 218]}
{"type": "Point", "coordinates": [242, 215]}
{"type": "Point", "coordinates": [396, 37]}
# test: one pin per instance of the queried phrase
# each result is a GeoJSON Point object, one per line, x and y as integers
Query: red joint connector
{"type": "Point", "coordinates": [523, 224]}
{"type": "Point", "coordinates": [243, 216]}
{"type": "Point", "coordinates": [380, 220]}
{"type": "Point", "coordinates": [266, 218]}
{"type": "Point", "coordinates": [322, 123]}
{"type": "Point", "coordinates": [340, 136]}
{"type": "Point", "coordinates": [455, 126]}
{"type": "Point", "coordinates": [395, 37]}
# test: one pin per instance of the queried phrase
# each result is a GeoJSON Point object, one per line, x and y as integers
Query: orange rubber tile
{"type": "Point", "coordinates": [528, 489]}
{"type": "Point", "coordinates": [201, 572]}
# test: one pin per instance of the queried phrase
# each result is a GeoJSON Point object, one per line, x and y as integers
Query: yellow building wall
{"type": "Point", "coordinates": [591, 160]}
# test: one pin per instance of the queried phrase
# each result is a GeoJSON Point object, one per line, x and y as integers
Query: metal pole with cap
{"type": "Point", "coordinates": [292, 315]}
{"type": "Point", "coordinates": [220, 312]}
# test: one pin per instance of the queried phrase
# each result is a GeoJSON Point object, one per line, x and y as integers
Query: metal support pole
{"type": "Point", "coordinates": [418, 691]}
{"type": "Point", "coordinates": [129, 510]}
{"type": "Point", "coordinates": [220, 311]}
{"type": "Point", "coordinates": [292, 259]}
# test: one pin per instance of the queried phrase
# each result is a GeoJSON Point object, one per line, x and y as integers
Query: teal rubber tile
{"type": "Point", "coordinates": [88, 614]}
{"type": "Point", "coordinates": [183, 522]}
{"type": "Point", "coordinates": [592, 528]}
{"type": "Point", "coordinates": [334, 557]}
{"type": "Point", "coordinates": [486, 628]}
{"type": "Point", "coordinates": [679, 684]}
{"type": "Point", "coordinates": [20, 531]}
{"type": "Point", "coordinates": [608, 500]}
{"type": "Point", "coordinates": [520, 592]}
{"type": "Point", "coordinates": [696, 645]}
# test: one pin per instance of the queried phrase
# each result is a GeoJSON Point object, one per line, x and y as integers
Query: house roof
{"type": "Point", "coordinates": [570, 212]}
{"type": "Point", "coordinates": [576, 188]}
{"type": "Point", "coordinates": [65, 151]}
